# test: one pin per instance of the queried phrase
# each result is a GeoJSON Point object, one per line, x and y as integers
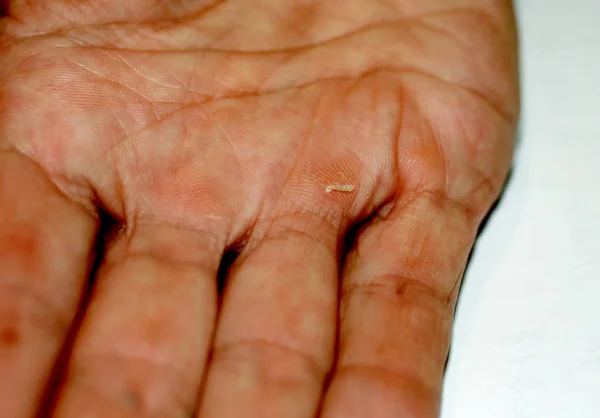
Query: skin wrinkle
{"type": "Point", "coordinates": [399, 211]}
{"type": "Point", "coordinates": [227, 138]}
{"type": "Point", "coordinates": [203, 12]}
{"type": "Point", "coordinates": [489, 182]}
{"type": "Point", "coordinates": [131, 138]}
{"type": "Point", "coordinates": [109, 81]}
{"type": "Point", "coordinates": [399, 24]}
{"type": "Point", "coordinates": [290, 171]}
{"type": "Point", "coordinates": [486, 179]}
{"type": "Point", "coordinates": [509, 117]}
{"type": "Point", "coordinates": [405, 21]}
{"type": "Point", "coordinates": [299, 18]}
{"type": "Point", "coordinates": [275, 91]}
{"type": "Point", "coordinates": [300, 228]}
{"type": "Point", "coordinates": [148, 254]}
{"type": "Point", "coordinates": [212, 243]}
{"type": "Point", "coordinates": [393, 288]}
{"type": "Point", "coordinates": [402, 24]}
{"type": "Point", "coordinates": [83, 376]}
{"type": "Point", "coordinates": [378, 175]}
{"type": "Point", "coordinates": [371, 72]}
{"type": "Point", "coordinates": [177, 15]}
{"type": "Point", "coordinates": [227, 351]}
{"type": "Point", "coordinates": [441, 200]}
{"type": "Point", "coordinates": [391, 379]}
{"type": "Point", "coordinates": [146, 77]}
{"type": "Point", "coordinates": [444, 162]}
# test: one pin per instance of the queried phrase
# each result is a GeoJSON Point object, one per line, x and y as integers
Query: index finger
{"type": "Point", "coordinates": [398, 292]}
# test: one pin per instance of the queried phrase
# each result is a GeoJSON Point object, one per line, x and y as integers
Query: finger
{"type": "Point", "coordinates": [398, 293]}
{"type": "Point", "coordinates": [144, 339]}
{"type": "Point", "coordinates": [45, 247]}
{"type": "Point", "coordinates": [276, 332]}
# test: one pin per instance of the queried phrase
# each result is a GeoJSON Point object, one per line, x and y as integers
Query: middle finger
{"type": "Point", "coordinates": [276, 333]}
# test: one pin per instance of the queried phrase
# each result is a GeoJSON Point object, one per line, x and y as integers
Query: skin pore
{"type": "Point", "coordinates": [345, 151]}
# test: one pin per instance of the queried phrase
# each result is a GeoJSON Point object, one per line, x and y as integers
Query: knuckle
{"type": "Point", "coordinates": [402, 290]}
{"type": "Point", "coordinates": [269, 362]}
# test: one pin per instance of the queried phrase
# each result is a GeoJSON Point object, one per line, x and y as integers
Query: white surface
{"type": "Point", "coordinates": [527, 339]}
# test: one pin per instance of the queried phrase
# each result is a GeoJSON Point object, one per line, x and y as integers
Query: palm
{"type": "Point", "coordinates": [206, 134]}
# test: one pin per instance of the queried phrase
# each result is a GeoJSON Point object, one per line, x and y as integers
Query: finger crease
{"type": "Point", "coordinates": [239, 348]}
{"type": "Point", "coordinates": [134, 396]}
{"type": "Point", "coordinates": [400, 289]}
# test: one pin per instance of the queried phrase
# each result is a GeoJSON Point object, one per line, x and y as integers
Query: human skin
{"type": "Point", "coordinates": [202, 127]}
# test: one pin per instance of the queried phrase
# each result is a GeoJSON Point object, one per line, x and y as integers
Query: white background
{"type": "Point", "coordinates": [527, 338]}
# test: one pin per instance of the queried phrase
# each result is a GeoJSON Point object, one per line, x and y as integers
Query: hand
{"type": "Point", "coordinates": [344, 151]}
